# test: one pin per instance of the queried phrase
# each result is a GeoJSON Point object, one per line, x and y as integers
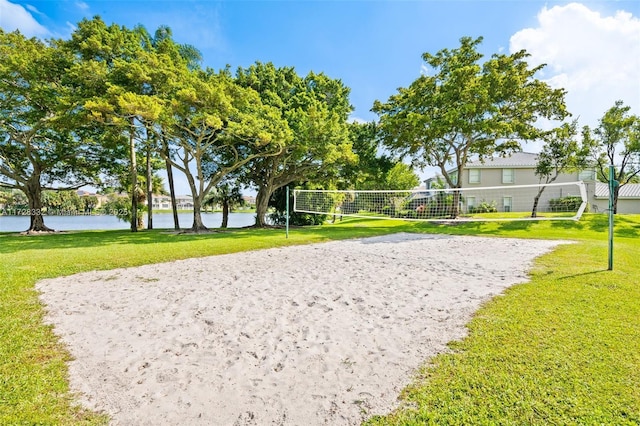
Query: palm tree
{"type": "Point", "coordinates": [227, 195]}
{"type": "Point", "coordinates": [162, 42]}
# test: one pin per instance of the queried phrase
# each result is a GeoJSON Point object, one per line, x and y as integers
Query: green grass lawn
{"type": "Point", "coordinates": [561, 349]}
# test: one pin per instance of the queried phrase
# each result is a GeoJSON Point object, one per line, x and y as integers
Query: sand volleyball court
{"type": "Point", "coordinates": [322, 334]}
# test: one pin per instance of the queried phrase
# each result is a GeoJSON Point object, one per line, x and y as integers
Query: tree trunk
{"type": "Point", "coordinates": [616, 191]}
{"type": "Point", "coordinates": [262, 205]}
{"type": "Point", "coordinates": [197, 216]}
{"type": "Point", "coordinates": [149, 187]}
{"type": "Point", "coordinates": [33, 191]}
{"type": "Point", "coordinates": [172, 194]}
{"type": "Point", "coordinates": [225, 214]}
{"type": "Point", "coordinates": [133, 171]}
{"type": "Point", "coordinates": [455, 208]}
{"type": "Point", "coordinates": [534, 210]}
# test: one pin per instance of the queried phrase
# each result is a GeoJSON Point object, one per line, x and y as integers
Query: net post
{"type": "Point", "coordinates": [287, 215]}
{"type": "Point", "coordinates": [612, 186]}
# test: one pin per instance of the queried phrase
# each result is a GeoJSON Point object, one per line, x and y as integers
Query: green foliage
{"type": "Point", "coordinates": [53, 202]}
{"type": "Point", "coordinates": [279, 215]}
{"type": "Point", "coordinates": [372, 168]}
{"type": "Point", "coordinates": [440, 205]}
{"type": "Point", "coordinates": [228, 195]}
{"type": "Point", "coordinates": [466, 108]}
{"type": "Point", "coordinates": [123, 103]}
{"type": "Point", "coordinates": [484, 207]}
{"type": "Point", "coordinates": [62, 202]}
{"type": "Point", "coordinates": [401, 176]}
{"type": "Point", "coordinates": [43, 141]}
{"type": "Point", "coordinates": [561, 153]}
{"type": "Point", "coordinates": [13, 201]}
{"type": "Point", "coordinates": [221, 127]}
{"type": "Point", "coordinates": [315, 108]}
{"type": "Point", "coordinates": [616, 141]}
{"type": "Point", "coordinates": [565, 204]}
{"type": "Point", "coordinates": [120, 207]}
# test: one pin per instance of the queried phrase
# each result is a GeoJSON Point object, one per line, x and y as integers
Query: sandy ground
{"type": "Point", "coordinates": [308, 335]}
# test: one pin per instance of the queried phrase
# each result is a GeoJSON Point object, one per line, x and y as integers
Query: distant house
{"type": "Point", "coordinates": [519, 169]}
{"type": "Point", "coordinates": [249, 200]}
{"type": "Point", "coordinates": [163, 202]}
{"type": "Point", "coordinates": [101, 199]}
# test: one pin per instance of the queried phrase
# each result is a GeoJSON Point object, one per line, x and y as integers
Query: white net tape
{"type": "Point", "coordinates": [556, 201]}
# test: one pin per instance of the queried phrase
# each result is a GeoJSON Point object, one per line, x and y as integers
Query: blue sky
{"type": "Point", "coordinates": [591, 48]}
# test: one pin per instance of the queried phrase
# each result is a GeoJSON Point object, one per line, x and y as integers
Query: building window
{"type": "Point", "coordinates": [508, 176]}
{"type": "Point", "coordinates": [507, 204]}
{"type": "Point", "coordinates": [471, 203]}
{"type": "Point", "coordinates": [587, 175]}
{"type": "Point", "coordinates": [474, 175]}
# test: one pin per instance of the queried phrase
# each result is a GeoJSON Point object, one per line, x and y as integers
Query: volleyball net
{"type": "Point", "coordinates": [553, 201]}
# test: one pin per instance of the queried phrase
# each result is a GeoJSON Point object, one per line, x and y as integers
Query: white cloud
{"type": "Point", "coordinates": [595, 58]}
{"type": "Point", "coordinates": [354, 119]}
{"type": "Point", "coordinates": [32, 9]}
{"type": "Point", "coordinates": [82, 5]}
{"type": "Point", "coordinates": [15, 17]}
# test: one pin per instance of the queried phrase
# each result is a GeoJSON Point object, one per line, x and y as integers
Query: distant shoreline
{"type": "Point", "coordinates": [95, 213]}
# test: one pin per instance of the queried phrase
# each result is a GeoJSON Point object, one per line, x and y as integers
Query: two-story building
{"type": "Point", "coordinates": [519, 169]}
{"type": "Point", "coordinates": [163, 202]}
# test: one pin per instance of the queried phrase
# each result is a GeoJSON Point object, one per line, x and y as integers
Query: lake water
{"type": "Point", "coordinates": [160, 221]}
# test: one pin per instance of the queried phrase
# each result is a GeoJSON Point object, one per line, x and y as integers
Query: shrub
{"type": "Point", "coordinates": [565, 204]}
{"type": "Point", "coordinates": [484, 207]}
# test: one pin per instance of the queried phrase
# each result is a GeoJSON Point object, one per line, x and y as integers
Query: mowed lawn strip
{"type": "Point", "coordinates": [561, 349]}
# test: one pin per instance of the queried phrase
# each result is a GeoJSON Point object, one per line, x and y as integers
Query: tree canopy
{"type": "Point", "coordinates": [616, 141]}
{"type": "Point", "coordinates": [214, 127]}
{"type": "Point", "coordinates": [316, 109]}
{"type": "Point", "coordinates": [561, 153]}
{"type": "Point", "coordinates": [373, 164]}
{"type": "Point", "coordinates": [43, 143]}
{"type": "Point", "coordinates": [465, 108]}
{"type": "Point", "coordinates": [114, 104]}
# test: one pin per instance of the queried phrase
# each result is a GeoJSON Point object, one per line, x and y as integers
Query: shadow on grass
{"type": "Point", "coordinates": [584, 274]}
{"type": "Point", "coordinates": [95, 239]}
{"type": "Point", "coordinates": [476, 228]}
{"type": "Point", "coordinates": [625, 226]}
{"type": "Point", "coordinates": [593, 226]}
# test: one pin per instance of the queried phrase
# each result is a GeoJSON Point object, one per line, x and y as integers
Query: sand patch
{"type": "Point", "coordinates": [319, 334]}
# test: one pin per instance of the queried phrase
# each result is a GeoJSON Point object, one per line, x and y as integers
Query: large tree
{"type": "Point", "coordinates": [43, 144]}
{"type": "Point", "coordinates": [171, 55]}
{"type": "Point", "coordinates": [228, 195]}
{"type": "Point", "coordinates": [213, 127]}
{"type": "Point", "coordinates": [616, 141]}
{"type": "Point", "coordinates": [316, 108]}
{"type": "Point", "coordinates": [116, 71]}
{"type": "Point", "coordinates": [561, 153]}
{"type": "Point", "coordinates": [465, 108]}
